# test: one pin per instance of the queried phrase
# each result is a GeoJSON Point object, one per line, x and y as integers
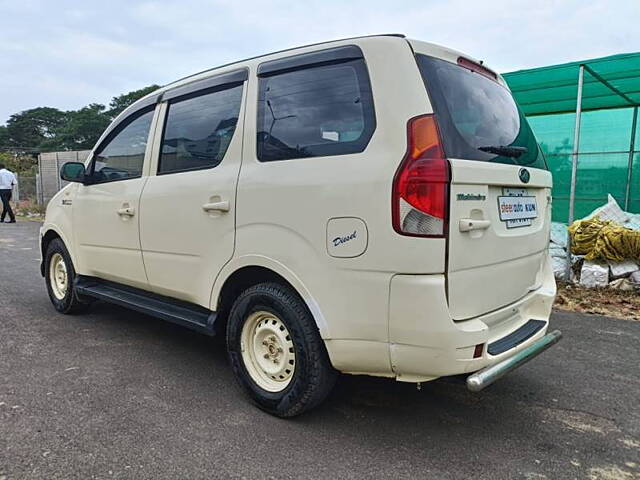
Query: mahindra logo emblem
{"type": "Point", "coordinates": [524, 175]}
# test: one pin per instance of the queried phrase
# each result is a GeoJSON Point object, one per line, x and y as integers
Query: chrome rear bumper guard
{"type": "Point", "coordinates": [485, 377]}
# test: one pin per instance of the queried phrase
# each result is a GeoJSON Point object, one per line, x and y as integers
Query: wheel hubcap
{"type": "Point", "coordinates": [267, 351]}
{"type": "Point", "coordinates": [58, 276]}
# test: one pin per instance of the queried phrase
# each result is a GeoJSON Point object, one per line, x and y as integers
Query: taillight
{"type": "Point", "coordinates": [421, 184]}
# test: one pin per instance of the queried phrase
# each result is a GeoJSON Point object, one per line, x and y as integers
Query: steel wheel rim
{"type": "Point", "coordinates": [58, 276]}
{"type": "Point", "coordinates": [268, 352]}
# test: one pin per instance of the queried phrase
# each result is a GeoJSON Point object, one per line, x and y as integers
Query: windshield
{"type": "Point", "coordinates": [477, 117]}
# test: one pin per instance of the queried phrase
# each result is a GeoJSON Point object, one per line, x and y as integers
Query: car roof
{"type": "Point", "coordinates": [152, 98]}
{"type": "Point", "coordinates": [277, 52]}
{"type": "Point", "coordinates": [426, 47]}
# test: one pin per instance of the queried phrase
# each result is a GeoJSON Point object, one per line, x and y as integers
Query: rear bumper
{"type": "Point", "coordinates": [490, 374]}
{"type": "Point", "coordinates": [426, 343]}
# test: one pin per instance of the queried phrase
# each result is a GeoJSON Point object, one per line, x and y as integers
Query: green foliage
{"type": "Point", "coordinates": [83, 127]}
{"type": "Point", "coordinates": [32, 127]}
{"type": "Point", "coordinates": [49, 129]}
{"type": "Point", "coordinates": [20, 164]}
{"type": "Point", "coordinates": [4, 135]}
{"type": "Point", "coordinates": [119, 103]}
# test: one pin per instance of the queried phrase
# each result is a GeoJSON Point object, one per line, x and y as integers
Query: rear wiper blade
{"type": "Point", "coordinates": [513, 152]}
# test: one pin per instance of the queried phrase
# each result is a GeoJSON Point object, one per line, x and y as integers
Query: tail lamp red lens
{"type": "Point", "coordinates": [421, 185]}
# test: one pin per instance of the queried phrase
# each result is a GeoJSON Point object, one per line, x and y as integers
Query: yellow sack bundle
{"type": "Point", "coordinates": [600, 239]}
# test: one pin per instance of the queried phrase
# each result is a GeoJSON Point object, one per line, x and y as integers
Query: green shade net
{"type": "Point", "coordinates": [548, 95]}
{"type": "Point", "coordinates": [553, 89]}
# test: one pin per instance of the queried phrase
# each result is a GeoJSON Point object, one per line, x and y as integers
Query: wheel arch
{"type": "Point", "coordinates": [248, 271]}
{"type": "Point", "coordinates": [51, 233]}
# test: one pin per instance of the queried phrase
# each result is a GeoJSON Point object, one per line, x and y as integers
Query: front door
{"type": "Point", "coordinates": [106, 209]}
{"type": "Point", "coordinates": [187, 228]}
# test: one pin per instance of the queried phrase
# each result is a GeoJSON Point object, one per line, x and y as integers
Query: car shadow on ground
{"type": "Point", "coordinates": [528, 417]}
{"type": "Point", "coordinates": [443, 402]}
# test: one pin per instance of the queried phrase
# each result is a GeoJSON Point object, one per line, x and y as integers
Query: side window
{"type": "Point", "coordinates": [122, 157]}
{"type": "Point", "coordinates": [198, 129]}
{"type": "Point", "coordinates": [315, 111]}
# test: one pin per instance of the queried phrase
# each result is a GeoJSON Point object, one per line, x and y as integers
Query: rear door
{"type": "Point", "coordinates": [500, 209]}
{"type": "Point", "coordinates": [498, 235]}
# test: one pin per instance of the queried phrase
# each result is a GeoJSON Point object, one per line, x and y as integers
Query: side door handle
{"type": "Point", "coordinates": [222, 206]}
{"type": "Point", "coordinates": [468, 224]}
{"type": "Point", "coordinates": [126, 211]}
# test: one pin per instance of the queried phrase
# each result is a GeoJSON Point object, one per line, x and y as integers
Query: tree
{"type": "Point", "coordinates": [119, 103]}
{"type": "Point", "coordinates": [49, 129]}
{"type": "Point", "coordinates": [82, 128]}
{"type": "Point", "coordinates": [4, 136]}
{"type": "Point", "coordinates": [28, 129]}
{"type": "Point", "coordinates": [20, 164]}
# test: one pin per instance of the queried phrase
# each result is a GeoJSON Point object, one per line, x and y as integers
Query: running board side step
{"type": "Point", "coordinates": [188, 315]}
{"type": "Point", "coordinates": [485, 377]}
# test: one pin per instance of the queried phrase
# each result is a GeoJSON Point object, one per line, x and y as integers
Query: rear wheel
{"type": "Point", "coordinates": [59, 275]}
{"type": "Point", "coordinates": [276, 351]}
{"type": "Point", "coordinates": [268, 352]}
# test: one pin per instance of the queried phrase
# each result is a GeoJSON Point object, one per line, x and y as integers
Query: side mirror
{"type": "Point", "coordinates": [73, 172]}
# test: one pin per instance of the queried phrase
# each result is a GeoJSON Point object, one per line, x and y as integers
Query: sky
{"type": "Point", "coordinates": [67, 54]}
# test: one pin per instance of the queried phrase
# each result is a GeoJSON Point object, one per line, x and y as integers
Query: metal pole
{"type": "Point", "coordinates": [632, 146]}
{"type": "Point", "coordinates": [58, 179]}
{"type": "Point", "coordinates": [574, 167]}
{"type": "Point", "coordinates": [40, 183]}
{"type": "Point", "coordinates": [38, 189]}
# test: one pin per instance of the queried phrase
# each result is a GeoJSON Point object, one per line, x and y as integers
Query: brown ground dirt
{"type": "Point", "coordinates": [600, 301]}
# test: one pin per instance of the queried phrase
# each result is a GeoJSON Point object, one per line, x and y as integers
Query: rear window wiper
{"type": "Point", "coordinates": [513, 152]}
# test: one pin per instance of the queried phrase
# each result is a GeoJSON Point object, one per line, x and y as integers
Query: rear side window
{"type": "Point", "coordinates": [476, 115]}
{"type": "Point", "coordinates": [122, 156]}
{"type": "Point", "coordinates": [198, 129]}
{"type": "Point", "coordinates": [315, 111]}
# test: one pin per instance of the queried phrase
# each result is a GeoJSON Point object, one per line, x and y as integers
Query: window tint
{"type": "Point", "coordinates": [476, 113]}
{"type": "Point", "coordinates": [123, 155]}
{"type": "Point", "coordinates": [198, 130]}
{"type": "Point", "coordinates": [315, 111]}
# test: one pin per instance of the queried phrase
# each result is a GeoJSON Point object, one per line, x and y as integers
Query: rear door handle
{"type": "Point", "coordinates": [127, 211]}
{"type": "Point", "coordinates": [222, 206]}
{"type": "Point", "coordinates": [468, 224]}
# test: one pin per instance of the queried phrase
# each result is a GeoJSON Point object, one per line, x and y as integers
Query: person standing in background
{"type": "Point", "coordinates": [7, 182]}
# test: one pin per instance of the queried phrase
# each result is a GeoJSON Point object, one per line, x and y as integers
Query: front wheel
{"type": "Point", "coordinates": [276, 351]}
{"type": "Point", "coordinates": [59, 275]}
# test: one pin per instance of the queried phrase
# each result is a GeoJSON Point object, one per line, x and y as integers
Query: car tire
{"type": "Point", "coordinates": [59, 275]}
{"type": "Point", "coordinates": [276, 352]}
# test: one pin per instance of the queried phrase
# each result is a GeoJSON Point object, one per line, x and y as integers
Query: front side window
{"type": "Point", "coordinates": [315, 111]}
{"type": "Point", "coordinates": [198, 130]}
{"type": "Point", "coordinates": [122, 157]}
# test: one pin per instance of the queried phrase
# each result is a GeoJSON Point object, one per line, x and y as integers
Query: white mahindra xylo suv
{"type": "Point", "coordinates": [374, 206]}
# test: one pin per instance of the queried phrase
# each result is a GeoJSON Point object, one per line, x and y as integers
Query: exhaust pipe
{"type": "Point", "coordinates": [485, 377]}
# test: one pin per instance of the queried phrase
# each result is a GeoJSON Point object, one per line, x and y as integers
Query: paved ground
{"type": "Point", "coordinates": [113, 394]}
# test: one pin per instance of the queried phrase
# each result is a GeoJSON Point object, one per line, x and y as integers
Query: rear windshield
{"type": "Point", "coordinates": [476, 113]}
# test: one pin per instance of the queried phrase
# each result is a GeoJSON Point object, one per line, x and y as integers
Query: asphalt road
{"type": "Point", "coordinates": [115, 394]}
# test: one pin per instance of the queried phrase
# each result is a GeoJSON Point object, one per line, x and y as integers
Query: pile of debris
{"type": "Point", "coordinates": [605, 248]}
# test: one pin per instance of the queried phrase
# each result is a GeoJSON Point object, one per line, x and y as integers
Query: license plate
{"type": "Point", "coordinates": [515, 192]}
{"type": "Point", "coordinates": [517, 211]}
{"type": "Point", "coordinates": [523, 222]}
